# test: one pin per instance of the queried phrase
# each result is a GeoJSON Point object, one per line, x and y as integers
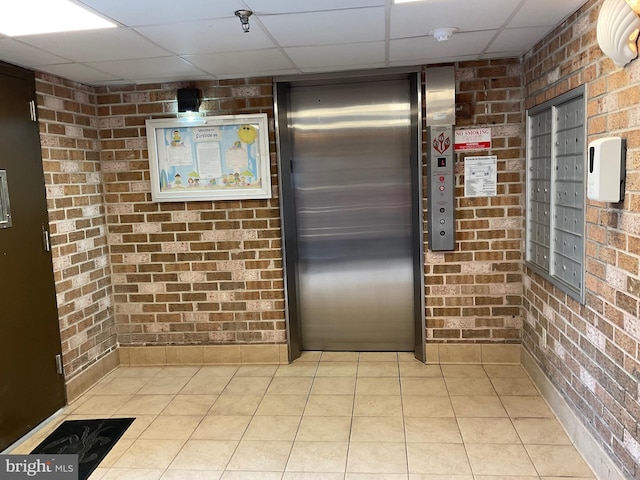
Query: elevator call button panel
{"type": "Point", "coordinates": [441, 188]}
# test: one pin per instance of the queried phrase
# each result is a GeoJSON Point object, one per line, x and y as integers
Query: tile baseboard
{"type": "Point", "coordinates": [466, 353]}
{"type": "Point", "coordinates": [89, 377]}
{"type": "Point", "coordinates": [203, 355]}
{"type": "Point", "coordinates": [437, 353]}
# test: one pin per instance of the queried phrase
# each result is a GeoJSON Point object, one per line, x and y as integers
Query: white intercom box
{"type": "Point", "coordinates": [606, 173]}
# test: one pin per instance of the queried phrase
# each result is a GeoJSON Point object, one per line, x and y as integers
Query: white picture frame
{"type": "Point", "coordinates": [209, 158]}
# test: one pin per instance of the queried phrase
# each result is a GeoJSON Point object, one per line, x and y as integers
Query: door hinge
{"type": "Point", "coordinates": [59, 366]}
{"type": "Point", "coordinates": [33, 111]}
{"type": "Point", "coordinates": [46, 239]}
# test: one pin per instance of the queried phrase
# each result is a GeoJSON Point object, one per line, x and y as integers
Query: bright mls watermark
{"type": "Point", "coordinates": [46, 467]}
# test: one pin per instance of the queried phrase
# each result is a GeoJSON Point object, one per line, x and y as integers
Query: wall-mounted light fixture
{"type": "Point", "coordinates": [617, 30]}
{"type": "Point", "coordinates": [188, 100]}
{"type": "Point", "coordinates": [244, 15]}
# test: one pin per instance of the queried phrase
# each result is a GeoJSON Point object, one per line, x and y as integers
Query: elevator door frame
{"type": "Point", "coordinates": [282, 87]}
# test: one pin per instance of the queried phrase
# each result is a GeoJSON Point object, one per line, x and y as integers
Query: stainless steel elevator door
{"type": "Point", "coordinates": [352, 187]}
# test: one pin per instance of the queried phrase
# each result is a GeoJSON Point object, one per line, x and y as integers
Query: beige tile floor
{"type": "Point", "coordinates": [329, 416]}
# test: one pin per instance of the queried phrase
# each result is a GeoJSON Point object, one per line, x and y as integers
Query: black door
{"type": "Point", "coordinates": [31, 389]}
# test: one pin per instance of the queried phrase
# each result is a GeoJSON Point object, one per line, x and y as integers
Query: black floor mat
{"type": "Point", "coordinates": [91, 440]}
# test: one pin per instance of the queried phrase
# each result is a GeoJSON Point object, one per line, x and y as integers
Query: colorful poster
{"type": "Point", "coordinates": [220, 157]}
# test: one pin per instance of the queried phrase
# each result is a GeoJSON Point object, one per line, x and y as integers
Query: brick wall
{"type": "Point", "coordinates": [188, 272]}
{"type": "Point", "coordinates": [474, 294]}
{"type": "Point", "coordinates": [592, 350]}
{"type": "Point", "coordinates": [71, 161]}
{"type": "Point", "coordinates": [193, 273]}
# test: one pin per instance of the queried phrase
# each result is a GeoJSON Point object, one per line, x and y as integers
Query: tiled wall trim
{"type": "Point", "coordinates": [203, 355]}
{"type": "Point", "coordinates": [278, 354]}
{"type": "Point", "coordinates": [90, 376]}
{"type": "Point", "coordinates": [457, 353]}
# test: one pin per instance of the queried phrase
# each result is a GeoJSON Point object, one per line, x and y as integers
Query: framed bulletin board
{"type": "Point", "coordinates": [210, 158]}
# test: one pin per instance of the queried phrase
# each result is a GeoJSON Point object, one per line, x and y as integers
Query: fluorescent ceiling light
{"type": "Point", "coordinates": [30, 17]}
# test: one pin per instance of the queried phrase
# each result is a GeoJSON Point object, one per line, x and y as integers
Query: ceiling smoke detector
{"type": "Point", "coordinates": [443, 34]}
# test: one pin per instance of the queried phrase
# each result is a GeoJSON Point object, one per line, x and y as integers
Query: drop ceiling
{"type": "Point", "coordinates": [168, 40]}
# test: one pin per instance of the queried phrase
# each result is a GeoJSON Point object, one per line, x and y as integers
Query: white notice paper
{"type": "Point", "coordinates": [481, 176]}
{"type": "Point", "coordinates": [209, 160]}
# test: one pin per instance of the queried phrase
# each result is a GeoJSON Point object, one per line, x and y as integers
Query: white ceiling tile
{"type": "Point", "coordinates": [19, 53]}
{"type": "Point", "coordinates": [536, 13]}
{"type": "Point", "coordinates": [426, 49]}
{"type": "Point", "coordinates": [329, 56]}
{"type": "Point", "coordinates": [326, 28]}
{"type": "Point", "coordinates": [517, 39]}
{"type": "Point", "coordinates": [78, 72]}
{"type": "Point", "coordinates": [96, 45]}
{"type": "Point", "coordinates": [241, 63]}
{"type": "Point", "coordinates": [209, 36]}
{"type": "Point", "coordinates": [416, 19]}
{"type": "Point", "coordinates": [318, 36]}
{"type": "Point", "coordinates": [139, 69]}
{"type": "Point", "coordinates": [138, 12]}
{"type": "Point", "coordinates": [292, 6]}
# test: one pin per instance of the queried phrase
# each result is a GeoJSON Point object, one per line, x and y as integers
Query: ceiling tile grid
{"type": "Point", "coordinates": [203, 39]}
